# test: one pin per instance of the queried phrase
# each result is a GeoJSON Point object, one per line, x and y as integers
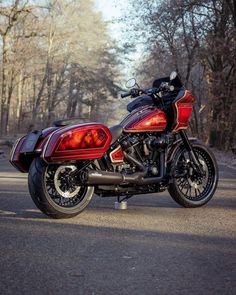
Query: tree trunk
{"type": "Point", "coordinates": [4, 85]}
{"type": "Point", "coordinates": [8, 102]}
{"type": "Point", "coordinates": [19, 101]}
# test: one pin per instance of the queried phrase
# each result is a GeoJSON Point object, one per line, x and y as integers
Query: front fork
{"type": "Point", "coordinates": [191, 151]}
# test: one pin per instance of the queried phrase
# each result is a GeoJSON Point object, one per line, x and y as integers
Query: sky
{"type": "Point", "coordinates": [112, 10]}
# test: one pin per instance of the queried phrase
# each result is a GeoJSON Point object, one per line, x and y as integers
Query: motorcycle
{"type": "Point", "coordinates": [147, 152]}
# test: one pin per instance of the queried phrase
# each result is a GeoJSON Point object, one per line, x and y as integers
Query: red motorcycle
{"type": "Point", "coordinates": [147, 152]}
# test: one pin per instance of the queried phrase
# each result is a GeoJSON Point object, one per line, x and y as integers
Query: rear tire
{"type": "Point", "coordinates": [53, 202]}
{"type": "Point", "coordinates": [193, 191]}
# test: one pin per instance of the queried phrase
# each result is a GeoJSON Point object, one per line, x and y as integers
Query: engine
{"type": "Point", "coordinates": [135, 152]}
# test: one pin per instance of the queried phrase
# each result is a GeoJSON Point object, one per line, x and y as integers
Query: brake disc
{"type": "Point", "coordinates": [194, 183]}
{"type": "Point", "coordinates": [58, 182]}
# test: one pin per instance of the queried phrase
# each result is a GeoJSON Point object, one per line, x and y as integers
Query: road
{"type": "Point", "coordinates": [153, 247]}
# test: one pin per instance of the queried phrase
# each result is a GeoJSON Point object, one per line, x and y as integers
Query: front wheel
{"type": "Point", "coordinates": [54, 190]}
{"type": "Point", "coordinates": [190, 187]}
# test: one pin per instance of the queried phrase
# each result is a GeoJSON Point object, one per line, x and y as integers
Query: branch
{"type": "Point", "coordinates": [13, 13]}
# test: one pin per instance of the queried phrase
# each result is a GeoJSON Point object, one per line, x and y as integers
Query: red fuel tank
{"type": "Point", "coordinates": [145, 120]}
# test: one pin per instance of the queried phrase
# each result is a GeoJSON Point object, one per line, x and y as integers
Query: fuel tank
{"type": "Point", "coordinates": [145, 119]}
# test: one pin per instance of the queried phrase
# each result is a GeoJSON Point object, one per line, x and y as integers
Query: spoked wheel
{"type": "Point", "coordinates": [61, 186]}
{"type": "Point", "coordinates": [191, 187]}
{"type": "Point", "coordinates": [54, 190]}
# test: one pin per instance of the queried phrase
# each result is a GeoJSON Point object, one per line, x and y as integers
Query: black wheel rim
{"type": "Point", "coordinates": [61, 186]}
{"type": "Point", "coordinates": [193, 185]}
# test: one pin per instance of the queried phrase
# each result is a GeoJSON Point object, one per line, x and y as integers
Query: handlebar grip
{"type": "Point", "coordinates": [123, 95]}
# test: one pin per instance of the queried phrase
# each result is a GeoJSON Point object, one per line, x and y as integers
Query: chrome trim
{"type": "Point", "coordinates": [38, 150]}
{"type": "Point", "coordinates": [142, 131]}
{"type": "Point", "coordinates": [111, 153]}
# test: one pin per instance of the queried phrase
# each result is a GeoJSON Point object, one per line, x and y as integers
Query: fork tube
{"type": "Point", "coordinates": [190, 149]}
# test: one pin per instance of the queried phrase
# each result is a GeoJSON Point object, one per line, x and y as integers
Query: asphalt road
{"type": "Point", "coordinates": [154, 247]}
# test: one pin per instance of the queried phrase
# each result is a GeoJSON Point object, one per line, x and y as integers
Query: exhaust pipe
{"type": "Point", "coordinates": [111, 178]}
{"type": "Point", "coordinates": [115, 178]}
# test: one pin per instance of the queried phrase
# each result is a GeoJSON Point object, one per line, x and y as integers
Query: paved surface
{"type": "Point", "coordinates": [154, 247]}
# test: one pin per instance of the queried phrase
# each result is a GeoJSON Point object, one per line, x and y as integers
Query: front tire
{"type": "Point", "coordinates": [52, 190]}
{"type": "Point", "coordinates": [192, 189]}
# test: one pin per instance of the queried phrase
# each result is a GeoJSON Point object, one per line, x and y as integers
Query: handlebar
{"type": "Point", "coordinates": [164, 87]}
{"type": "Point", "coordinates": [133, 92]}
{"type": "Point", "coordinates": [123, 95]}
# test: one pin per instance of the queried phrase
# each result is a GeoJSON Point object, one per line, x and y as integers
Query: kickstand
{"type": "Point", "coordinates": [121, 203]}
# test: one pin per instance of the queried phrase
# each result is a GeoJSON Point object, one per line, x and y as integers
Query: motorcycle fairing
{"type": "Point", "coordinates": [77, 142]}
{"type": "Point", "coordinates": [183, 106]}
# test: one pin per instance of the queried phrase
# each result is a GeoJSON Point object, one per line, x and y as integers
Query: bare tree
{"type": "Point", "coordinates": [57, 60]}
{"type": "Point", "coordinates": [198, 38]}
{"type": "Point", "coordinates": [10, 16]}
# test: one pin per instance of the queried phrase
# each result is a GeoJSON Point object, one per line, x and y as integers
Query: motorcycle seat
{"type": "Point", "coordinates": [71, 121]}
{"type": "Point", "coordinates": [116, 132]}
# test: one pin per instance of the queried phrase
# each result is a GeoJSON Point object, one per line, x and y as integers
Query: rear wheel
{"type": "Point", "coordinates": [190, 187]}
{"type": "Point", "coordinates": [54, 190]}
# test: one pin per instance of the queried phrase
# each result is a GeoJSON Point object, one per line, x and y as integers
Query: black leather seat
{"type": "Point", "coordinates": [71, 121]}
{"type": "Point", "coordinates": [116, 132]}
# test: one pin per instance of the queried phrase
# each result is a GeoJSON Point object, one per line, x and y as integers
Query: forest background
{"type": "Point", "coordinates": [61, 59]}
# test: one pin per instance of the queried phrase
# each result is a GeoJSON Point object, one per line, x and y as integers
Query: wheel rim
{"type": "Point", "coordinates": [61, 186]}
{"type": "Point", "coordinates": [195, 186]}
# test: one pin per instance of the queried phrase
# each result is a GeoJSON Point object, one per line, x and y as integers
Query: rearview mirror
{"type": "Point", "coordinates": [130, 83]}
{"type": "Point", "coordinates": [173, 75]}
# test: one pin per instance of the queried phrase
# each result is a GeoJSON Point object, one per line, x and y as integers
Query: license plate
{"type": "Point", "coordinates": [31, 141]}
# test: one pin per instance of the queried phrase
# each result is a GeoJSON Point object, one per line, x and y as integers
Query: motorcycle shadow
{"type": "Point", "coordinates": [151, 201]}
{"type": "Point", "coordinates": [101, 209]}
{"type": "Point", "coordinates": [26, 213]}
